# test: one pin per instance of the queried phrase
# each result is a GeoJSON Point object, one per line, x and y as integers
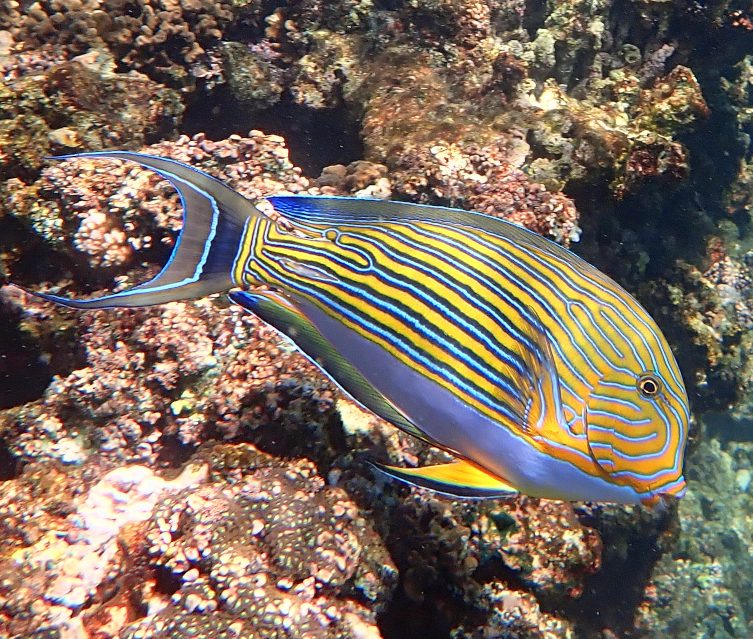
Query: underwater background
{"type": "Point", "coordinates": [180, 471]}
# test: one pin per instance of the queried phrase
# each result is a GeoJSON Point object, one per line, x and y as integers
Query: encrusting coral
{"type": "Point", "coordinates": [260, 545]}
{"type": "Point", "coordinates": [164, 38]}
{"type": "Point", "coordinates": [270, 553]}
{"type": "Point", "coordinates": [511, 108]}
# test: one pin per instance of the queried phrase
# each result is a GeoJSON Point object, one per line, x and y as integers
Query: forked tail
{"type": "Point", "coordinates": [214, 217]}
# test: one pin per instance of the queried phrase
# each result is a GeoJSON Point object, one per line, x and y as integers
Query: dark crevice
{"type": "Point", "coordinates": [662, 223]}
{"type": "Point", "coordinates": [582, 62]}
{"type": "Point", "coordinates": [249, 24]}
{"type": "Point", "coordinates": [404, 617]}
{"type": "Point", "coordinates": [628, 560]}
{"type": "Point", "coordinates": [534, 16]}
{"type": "Point", "coordinates": [10, 467]}
{"type": "Point", "coordinates": [37, 262]}
{"type": "Point", "coordinates": [167, 582]}
{"type": "Point", "coordinates": [429, 600]}
{"type": "Point", "coordinates": [24, 375]}
{"type": "Point", "coordinates": [24, 371]}
{"type": "Point", "coordinates": [315, 137]}
{"type": "Point", "coordinates": [388, 5]}
{"type": "Point", "coordinates": [174, 453]}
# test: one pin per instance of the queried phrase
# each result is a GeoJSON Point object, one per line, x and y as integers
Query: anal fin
{"type": "Point", "coordinates": [455, 479]}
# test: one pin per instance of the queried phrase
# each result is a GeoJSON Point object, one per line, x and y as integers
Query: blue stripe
{"type": "Point", "coordinates": [521, 308]}
{"type": "Point", "coordinates": [426, 329]}
{"type": "Point", "coordinates": [390, 338]}
{"type": "Point", "coordinates": [494, 345]}
{"type": "Point", "coordinates": [457, 288]}
{"type": "Point", "coordinates": [240, 252]}
{"type": "Point", "coordinates": [613, 400]}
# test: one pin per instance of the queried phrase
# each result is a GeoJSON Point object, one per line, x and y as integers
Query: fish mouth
{"type": "Point", "coordinates": [667, 495]}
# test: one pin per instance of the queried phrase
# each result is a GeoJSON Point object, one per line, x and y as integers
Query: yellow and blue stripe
{"type": "Point", "coordinates": [537, 370]}
{"type": "Point", "coordinates": [453, 295]}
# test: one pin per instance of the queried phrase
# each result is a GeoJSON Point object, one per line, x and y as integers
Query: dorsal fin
{"type": "Point", "coordinates": [343, 210]}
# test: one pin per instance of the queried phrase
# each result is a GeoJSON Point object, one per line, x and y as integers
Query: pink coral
{"type": "Point", "coordinates": [97, 238]}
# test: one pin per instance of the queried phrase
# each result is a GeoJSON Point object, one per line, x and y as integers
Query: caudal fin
{"type": "Point", "coordinates": [214, 218]}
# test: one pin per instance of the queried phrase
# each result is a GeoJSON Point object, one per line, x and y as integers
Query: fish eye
{"type": "Point", "coordinates": [649, 385]}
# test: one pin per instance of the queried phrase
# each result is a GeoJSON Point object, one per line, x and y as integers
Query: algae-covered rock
{"type": "Point", "coordinates": [256, 80]}
{"type": "Point", "coordinates": [80, 105]}
{"type": "Point", "coordinates": [702, 587]}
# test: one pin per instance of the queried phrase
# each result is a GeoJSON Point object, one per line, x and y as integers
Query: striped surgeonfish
{"type": "Point", "coordinates": [536, 371]}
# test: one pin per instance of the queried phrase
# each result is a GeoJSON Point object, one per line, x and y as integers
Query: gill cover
{"type": "Point", "coordinates": [627, 432]}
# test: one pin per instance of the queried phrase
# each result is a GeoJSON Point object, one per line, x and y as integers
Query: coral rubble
{"type": "Point", "coordinates": [261, 546]}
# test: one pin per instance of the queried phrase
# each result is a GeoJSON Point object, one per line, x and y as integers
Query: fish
{"type": "Point", "coordinates": [535, 371]}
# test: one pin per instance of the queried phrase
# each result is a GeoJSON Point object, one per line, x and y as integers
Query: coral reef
{"type": "Point", "coordinates": [481, 92]}
{"type": "Point", "coordinates": [159, 378]}
{"type": "Point", "coordinates": [260, 545]}
{"type": "Point", "coordinates": [521, 110]}
{"type": "Point", "coordinates": [505, 559]}
{"type": "Point", "coordinates": [702, 587]}
{"type": "Point", "coordinates": [716, 305]}
{"type": "Point", "coordinates": [80, 104]}
{"type": "Point", "coordinates": [483, 180]}
{"type": "Point", "coordinates": [121, 209]}
{"type": "Point", "coordinates": [477, 78]}
{"type": "Point", "coordinates": [269, 553]}
{"type": "Point", "coordinates": [515, 614]}
{"type": "Point", "coordinates": [68, 571]}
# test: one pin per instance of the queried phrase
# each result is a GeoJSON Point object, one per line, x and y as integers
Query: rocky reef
{"type": "Point", "coordinates": [702, 586]}
{"type": "Point", "coordinates": [181, 471]}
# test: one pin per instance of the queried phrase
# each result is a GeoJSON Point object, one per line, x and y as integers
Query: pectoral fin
{"type": "Point", "coordinates": [456, 479]}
